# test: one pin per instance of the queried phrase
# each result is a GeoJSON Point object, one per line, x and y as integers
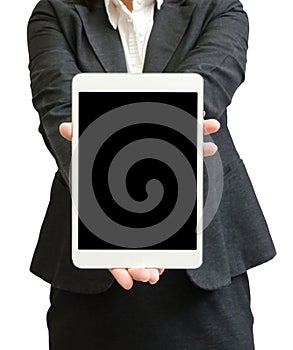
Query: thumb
{"type": "Point", "coordinates": [65, 130]}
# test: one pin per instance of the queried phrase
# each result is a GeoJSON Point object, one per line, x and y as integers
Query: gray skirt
{"type": "Point", "coordinates": [173, 314]}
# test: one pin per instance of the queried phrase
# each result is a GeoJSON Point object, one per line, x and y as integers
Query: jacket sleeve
{"type": "Point", "coordinates": [219, 54]}
{"type": "Point", "coordinates": [52, 66]}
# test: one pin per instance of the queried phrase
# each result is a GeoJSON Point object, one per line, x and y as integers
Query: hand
{"type": "Point", "coordinates": [125, 276]}
{"type": "Point", "coordinates": [210, 126]}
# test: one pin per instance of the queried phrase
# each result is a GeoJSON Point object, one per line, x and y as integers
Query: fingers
{"type": "Point", "coordinates": [161, 271]}
{"type": "Point", "coordinates": [144, 274]}
{"type": "Point", "coordinates": [65, 130]}
{"type": "Point", "coordinates": [139, 274]}
{"type": "Point", "coordinates": [154, 276]}
{"type": "Point", "coordinates": [123, 277]}
{"type": "Point", "coordinates": [211, 126]}
{"type": "Point", "coordinates": [209, 149]}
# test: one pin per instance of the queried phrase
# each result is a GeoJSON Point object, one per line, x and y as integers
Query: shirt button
{"type": "Point", "coordinates": [139, 1]}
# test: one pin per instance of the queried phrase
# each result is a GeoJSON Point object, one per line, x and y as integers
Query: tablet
{"type": "Point", "coordinates": [136, 170]}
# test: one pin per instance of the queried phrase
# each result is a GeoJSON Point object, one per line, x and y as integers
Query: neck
{"type": "Point", "coordinates": [128, 4]}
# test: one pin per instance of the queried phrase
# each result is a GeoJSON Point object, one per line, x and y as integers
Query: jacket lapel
{"type": "Point", "coordinates": [104, 40]}
{"type": "Point", "coordinates": [170, 23]}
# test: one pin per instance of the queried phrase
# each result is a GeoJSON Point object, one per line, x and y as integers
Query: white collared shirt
{"type": "Point", "coordinates": [134, 28]}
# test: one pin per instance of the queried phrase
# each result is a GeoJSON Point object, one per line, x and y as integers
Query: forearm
{"type": "Point", "coordinates": [52, 66]}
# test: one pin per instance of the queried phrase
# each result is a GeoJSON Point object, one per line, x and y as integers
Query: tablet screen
{"type": "Point", "coordinates": [142, 193]}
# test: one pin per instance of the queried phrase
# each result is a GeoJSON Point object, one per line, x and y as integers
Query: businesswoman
{"type": "Point", "coordinates": [204, 308]}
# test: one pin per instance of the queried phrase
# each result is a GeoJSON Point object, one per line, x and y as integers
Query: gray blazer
{"type": "Point", "coordinates": [208, 37]}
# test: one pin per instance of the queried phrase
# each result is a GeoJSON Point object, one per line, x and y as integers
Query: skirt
{"type": "Point", "coordinates": [173, 314]}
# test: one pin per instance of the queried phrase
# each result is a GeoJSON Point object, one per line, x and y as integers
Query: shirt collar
{"type": "Point", "coordinates": [114, 8]}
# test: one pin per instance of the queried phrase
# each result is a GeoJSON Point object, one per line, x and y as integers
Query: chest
{"type": "Point", "coordinates": [98, 47]}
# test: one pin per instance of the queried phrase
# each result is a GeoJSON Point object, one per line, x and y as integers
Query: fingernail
{"type": "Point", "coordinates": [215, 147]}
{"type": "Point", "coordinates": [153, 282]}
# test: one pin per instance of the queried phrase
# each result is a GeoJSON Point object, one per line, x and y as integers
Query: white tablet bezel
{"type": "Point", "coordinates": [164, 82]}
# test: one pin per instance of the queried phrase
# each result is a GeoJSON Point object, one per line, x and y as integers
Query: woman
{"type": "Point", "coordinates": [205, 308]}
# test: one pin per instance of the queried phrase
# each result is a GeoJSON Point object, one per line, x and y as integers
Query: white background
{"type": "Point", "coordinates": [260, 120]}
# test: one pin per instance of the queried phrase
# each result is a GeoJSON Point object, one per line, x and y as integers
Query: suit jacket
{"type": "Point", "coordinates": [208, 37]}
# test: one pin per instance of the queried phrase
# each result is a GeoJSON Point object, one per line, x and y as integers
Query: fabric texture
{"type": "Point", "coordinates": [173, 314]}
{"type": "Point", "coordinates": [202, 36]}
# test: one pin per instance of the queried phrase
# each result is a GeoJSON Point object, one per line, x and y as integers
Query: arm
{"type": "Point", "coordinates": [52, 66]}
{"type": "Point", "coordinates": [219, 54]}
